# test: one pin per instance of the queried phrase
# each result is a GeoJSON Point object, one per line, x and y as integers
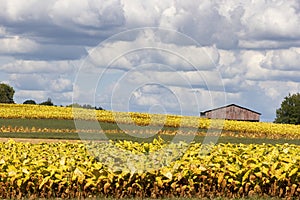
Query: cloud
{"type": "Point", "coordinates": [55, 24]}
{"type": "Point", "coordinates": [51, 52]}
{"type": "Point", "coordinates": [209, 80]}
{"type": "Point", "coordinates": [188, 18]}
{"type": "Point", "coordinates": [277, 89]}
{"type": "Point", "coordinates": [151, 95]}
{"type": "Point", "coordinates": [141, 89]}
{"type": "Point", "coordinates": [133, 12]}
{"type": "Point", "coordinates": [58, 98]}
{"type": "Point", "coordinates": [227, 24]}
{"type": "Point", "coordinates": [267, 44]}
{"type": "Point", "coordinates": [255, 70]}
{"type": "Point", "coordinates": [40, 82]}
{"type": "Point", "coordinates": [39, 87]}
{"type": "Point", "coordinates": [150, 47]}
{"type": "Point", "coordinates": [41, 67]}
{"type": "Point", "coordinates": [2, 31]}
{"type": "Point", "coordinates": [16, 44]}
{"type": "Point", "coordinates": [29, 81]}
{"type": "Point", "coordinates": [36, 95]}
{"type": "Point", "coordinates": [91, 14]}
{"type": "Point", "coordinates": [166, 99]}
{"type": "Point", "coordinates": [271, 20]}
{"type": "Point", "coordinates": [193, 100]}
{"type": "Point", "coordinates": [16, 11]}
{"type": "Point", "coordinates": [285, 59]}
{"type": "Point", "coordinates": [61, 85]}
{"type": "Point", "coordinates": [261, 65]}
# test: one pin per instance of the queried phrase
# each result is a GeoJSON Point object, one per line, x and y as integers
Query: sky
{"type": "Point", "coordinates": [176, 57]}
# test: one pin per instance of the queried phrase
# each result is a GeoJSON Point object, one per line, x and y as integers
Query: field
{"type": "Point", "coordinates": [144, 158]}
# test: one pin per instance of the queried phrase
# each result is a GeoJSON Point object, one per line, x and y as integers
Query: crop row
{"type": "Point", "coordinates": [149, 131]}
{"type": "Point", "coordinates": [157, 169]}
{"type": "Point", "coordinates": [143, 119]}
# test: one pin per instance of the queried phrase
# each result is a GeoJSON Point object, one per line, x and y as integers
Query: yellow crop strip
{"type": "Point", "coordinates": [8, 111]}
{"type": "Point", "coordinates": [156, 170]}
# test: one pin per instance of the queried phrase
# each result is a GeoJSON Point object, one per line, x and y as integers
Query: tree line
{"type": "Point", "coordinates": [288, 113]}
{"type": "Point", "coordinates": [7, 96]}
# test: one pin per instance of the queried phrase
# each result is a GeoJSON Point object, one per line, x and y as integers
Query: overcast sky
{"type": "Point", "coordinates": [178, 57]}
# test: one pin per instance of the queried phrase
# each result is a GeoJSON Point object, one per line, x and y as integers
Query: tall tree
{"type": "Point", "coordinates": [6, 93]}
{"type": "Point", "coordinates": [289, 112]}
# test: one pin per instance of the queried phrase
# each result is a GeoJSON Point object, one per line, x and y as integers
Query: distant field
{"type": "Point", "coordinates": [260, 129]}
{"type": "Point", "coordinates": [113, 132]}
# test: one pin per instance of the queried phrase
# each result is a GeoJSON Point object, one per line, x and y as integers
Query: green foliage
{"type": "Point", "coordinates": [47, 103]}
{"type": "Point", "coordinates": [74, 105]}
{"type": "Point", "coordinates": [6, 93]}
{"type": "Point", "coordinates": [86, 106]}
{"type": "Point", "coordinates": [289, 112]}
{"type": "Point", "coordinates": [29, 102]}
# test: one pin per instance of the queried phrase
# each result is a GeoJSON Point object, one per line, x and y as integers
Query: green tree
{"type": "Point", "coordinates": [29, 102]}
{"type": "Point", "coordinates": [47, 103]}
{"type": "Point", "coordinates": [289, 112]}
{"type": "Point", "coordinates": [74, 105]}
{"type": "Point", "coordinates": [6, 93]}
{"type": "Point", "coordinates": [86, 106]}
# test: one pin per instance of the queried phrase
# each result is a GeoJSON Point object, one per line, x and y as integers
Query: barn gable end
{"type": "Point", "coordinates": [232, 112]}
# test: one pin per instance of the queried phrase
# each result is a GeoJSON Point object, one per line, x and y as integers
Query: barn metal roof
{"type": "Point", "coordinates": [229, 106]}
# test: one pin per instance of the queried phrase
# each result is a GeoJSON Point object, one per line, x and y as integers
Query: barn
{"type": "Point", "coordinates": [232, 112]}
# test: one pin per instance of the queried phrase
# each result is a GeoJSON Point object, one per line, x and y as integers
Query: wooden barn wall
{"type": "Point", "coordinates": [233, 113]}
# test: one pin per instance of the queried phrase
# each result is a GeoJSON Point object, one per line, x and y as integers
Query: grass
{"type": "Point", "coordinates": [64, 124]}
{"type": "Point", "coordinates": [40, 123]}
{"type": "Point", "coordinates": [120, 135]}
{"type": "Point", "coordinates": [144, 138]}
